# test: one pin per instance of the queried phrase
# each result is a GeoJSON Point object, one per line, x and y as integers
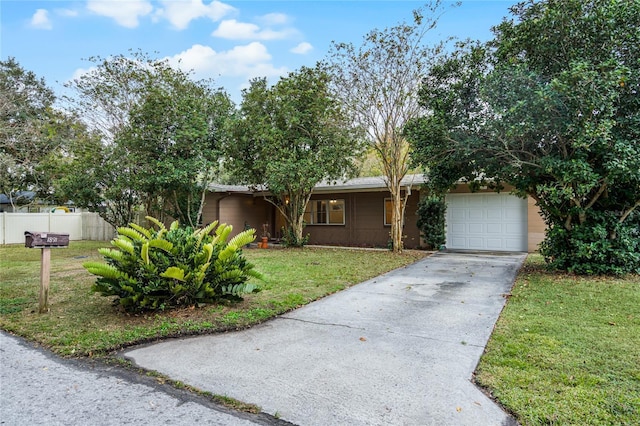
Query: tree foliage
{"type": "Point", "coordinates": [431, 213]}
{"type": "Point", "coordinates": [551, 106]}
{"type": "Point", "coordinates": [377, 83]}
{"type": "Point", "coordinates": [30, 130]}
{"type": "Point", "coordinates": [161, 138]}
{"type": "Point", "coordinates": [174, 137]}
{"type": "Point", "coordinates": [289, 137]}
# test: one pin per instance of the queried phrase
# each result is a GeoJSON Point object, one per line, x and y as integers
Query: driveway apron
{"type": "Point", "coordinates": [399, 349]}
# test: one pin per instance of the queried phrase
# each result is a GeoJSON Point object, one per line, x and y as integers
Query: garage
{"type": "Point", "coordinates": [486, 221]}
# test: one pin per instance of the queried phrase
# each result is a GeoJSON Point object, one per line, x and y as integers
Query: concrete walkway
{"type": "Point", "coordinates": [399, 349]}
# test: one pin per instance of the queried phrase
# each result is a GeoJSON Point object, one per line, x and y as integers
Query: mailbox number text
{"type": "Point", "coordinates": [52, 239]}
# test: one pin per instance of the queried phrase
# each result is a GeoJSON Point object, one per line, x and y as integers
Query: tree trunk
{"type": "Point", "coordinates": [397, 217]}
{"type": "Point", "coordinates": [297, 228]}
{"type": "Point", "coordinates": [292, 207]}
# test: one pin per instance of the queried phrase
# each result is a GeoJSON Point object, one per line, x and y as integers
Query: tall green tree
{"type": "Point", "coordinates": [161, 133]}
{"type": "Point", "coordinates": [289, 137]}
{"type": "Point", "coordinates": [175, 137]}
{"type": "Point", "coordinates": [29, 129]}
{"type": "Point", "coordinates": [551, 106]}
{"type": "Point", "coordinates": [378, 83]}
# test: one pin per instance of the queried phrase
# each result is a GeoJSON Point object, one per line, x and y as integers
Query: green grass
{"type": "Point", "coordinates": [566, 350]}
{"type": "Point", "coordinates": [83, 323]}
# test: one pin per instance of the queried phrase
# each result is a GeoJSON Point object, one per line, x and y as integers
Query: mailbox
{"type": "Point", "coordinates": [45, 239]}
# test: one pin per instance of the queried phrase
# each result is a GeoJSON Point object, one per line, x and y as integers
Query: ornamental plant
{"type": "Point", "coordinates": [158, 268]}
{"type": "Point", "coordinates": [431, 220]}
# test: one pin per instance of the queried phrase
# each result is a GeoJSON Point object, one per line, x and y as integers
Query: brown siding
{"type": "Point", "coordinates": [536, 226]}
{"type": "Point", "coordinates": [364, 222]}
{"type": "Point", "coordinates": [238, 210]}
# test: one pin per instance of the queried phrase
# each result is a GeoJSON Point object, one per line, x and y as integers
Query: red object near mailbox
{"type": "Point", "coordinates": [45, 239]}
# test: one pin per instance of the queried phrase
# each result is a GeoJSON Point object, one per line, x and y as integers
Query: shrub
{"type": "Point", "coordinates": [431, 220]}
{"type": "Point", "coordinates": [601, 246]}
{"type": "Point", "coordinates": [289, 238]}
{"type": "Point", "coordinates": [154, 269]}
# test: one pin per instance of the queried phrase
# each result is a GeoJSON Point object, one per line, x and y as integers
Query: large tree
{"type": "Point", "coordinates": [29, 129]}
{"type": "Point", "coordinates": [175, 138]}
{"type": "Point", "coordinates": [289, 137]}
{"type": "Point", "coordinates": [162, 134]}
{"type": "Point", "coordinates": [551, 106]}
{"type": "Point", "coordinates": [378, 83]}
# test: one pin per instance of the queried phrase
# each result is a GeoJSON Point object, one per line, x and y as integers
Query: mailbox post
{"type": "Point", "coordinates": [45, 241]}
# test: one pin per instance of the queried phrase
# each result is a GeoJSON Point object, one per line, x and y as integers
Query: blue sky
{"type": "Point", "coordinates": [230, 42]}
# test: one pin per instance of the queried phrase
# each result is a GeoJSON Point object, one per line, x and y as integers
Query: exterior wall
{"type": "Point", "coordinates": [364, 221]}
{"type": "Point", "coordinates": [364, 217]}
{"type": "Point", "coordinates": [536, 225]}
{"type": "Point", "coordinates": [239, 210]}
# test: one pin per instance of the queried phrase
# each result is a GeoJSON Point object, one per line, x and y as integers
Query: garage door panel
{"type": "Point", "coordinates": [494, 214]}
{"type": "Point", "coordinates": [512, 213]}
{"type": "Point", "coordinates": [494, 243]}
{"type": "Point", "coordinates": [458, 214]}
{"type": "Point", "coordinates": [458, 241]}
{"type": "Point", "coordinates": [476, 213]}
{"type": "Point", "coordinates": [458, 229]}
{"type": "Point", "coordinates": [494, 228]}
{"type": "Point", "coordinates": [513, 228]}
{"type": "Point", "coordinates": [476, 228]}
{"type": "Point", "coordinates": [513, 244]}
{"type": "Point", "coordinates": [476, 243]}
{"type": "Point", "coordinates": [486, 222]}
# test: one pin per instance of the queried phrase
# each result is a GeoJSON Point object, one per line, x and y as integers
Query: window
{"type": "Point", "coordinates": [325, 212]}
{"type": "Point", "coordinates": [388, 211]}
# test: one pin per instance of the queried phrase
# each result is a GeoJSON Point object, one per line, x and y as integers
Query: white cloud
{"type": "Point", "coordinates": [124, 12]}
{"type": "Point", "coordinates": [181, 13]}
{"type": "Point", "coordinates": [41, 20]}
{"type": "Point", "coordinates": [274, 19]}
{"type": "Point", "coordinates": [302, 48]}
{"type": "Point", "coordinates": [81, 72]}
{"type": "Point", "coordinates": [233, 30]}
{"type": "Point", "coordinates": [71, 13]}
{"type": "Point", "coordinates": [247, 61]}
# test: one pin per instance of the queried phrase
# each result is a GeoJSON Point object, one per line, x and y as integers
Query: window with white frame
{"type": "Point", "coordinates": [324, 212]}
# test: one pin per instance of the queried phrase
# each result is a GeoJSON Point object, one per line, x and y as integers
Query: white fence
{"type": "Point", "coordinates": [79, 226]}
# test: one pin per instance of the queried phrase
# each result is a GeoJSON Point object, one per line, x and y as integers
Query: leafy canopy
{"type": "Point", "coordinates": [551, 106]}
{"type": "Point", "coordinates": [289, 137]}
{"type": "Point", "coordinates": [161, 135]}
{"type": "Point", "coordinates": [377, 83]}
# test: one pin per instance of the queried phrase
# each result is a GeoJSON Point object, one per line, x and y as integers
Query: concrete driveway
{"type": "Point", "coordinates": [399, 349]}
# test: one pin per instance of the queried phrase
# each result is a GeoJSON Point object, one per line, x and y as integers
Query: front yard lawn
{"type": "Point", "coordinates": [82, 323]}
{"type": "Point", "coordinates": [566, 350]}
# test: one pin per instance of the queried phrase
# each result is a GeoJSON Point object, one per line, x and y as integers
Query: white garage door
{"type": "Point", "coordinates": [486, 221]}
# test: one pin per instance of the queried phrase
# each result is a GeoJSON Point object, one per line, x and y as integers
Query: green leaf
{"type": "Point", "coordinates": [174, 272]}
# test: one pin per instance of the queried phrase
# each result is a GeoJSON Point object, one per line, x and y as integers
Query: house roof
{"type": "Point", "coordinates": [363, 184]}
{"type": "Point", "coordinates": [367, 184]}
{"type": "Point", "coordinates": [217, 187]}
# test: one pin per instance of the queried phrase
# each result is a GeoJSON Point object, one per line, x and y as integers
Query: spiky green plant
{"type": "Point", "coordinates": [157, 268]}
